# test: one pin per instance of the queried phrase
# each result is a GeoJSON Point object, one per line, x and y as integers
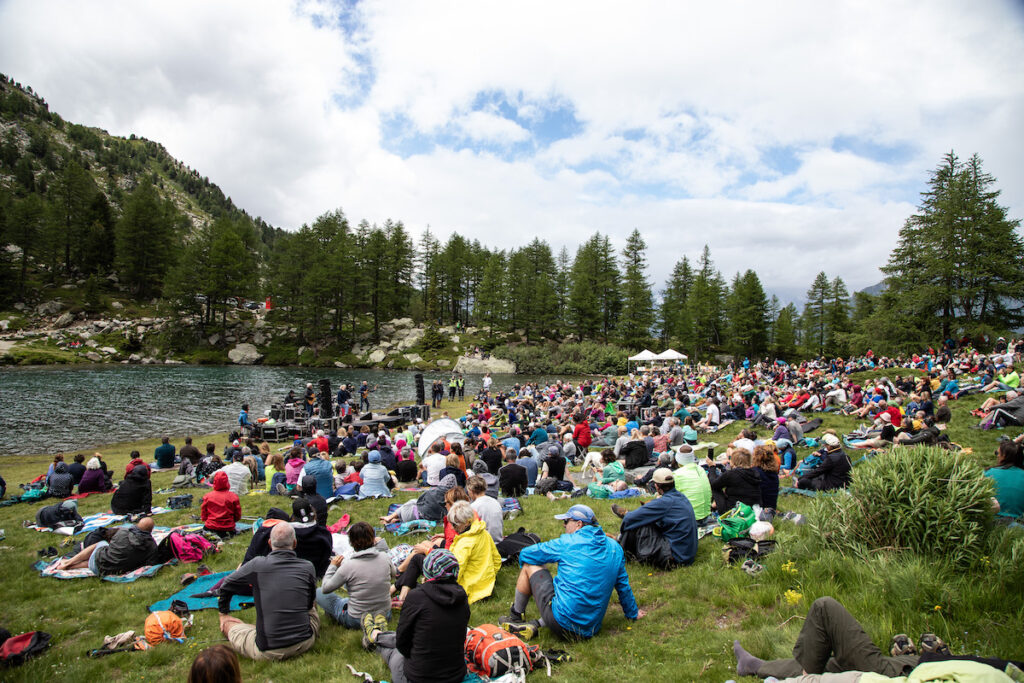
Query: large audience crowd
{"type": "Point", "coordinates": [649, 435]}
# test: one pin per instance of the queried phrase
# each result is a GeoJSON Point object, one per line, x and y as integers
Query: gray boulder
{"type": "Point", "coordinates": [64, 320]}
{"type": "Point", "coordinates": [244, 354]}
{"type": "Point", "coordinates": [94, 357]}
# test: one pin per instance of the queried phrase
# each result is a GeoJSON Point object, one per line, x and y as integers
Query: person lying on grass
{"type": "Point", "coordinates": [129, 549]}
{"type": "Point", "coordinates": [573, 604]}
{"type": "Point", "coordinates": [832, 641]}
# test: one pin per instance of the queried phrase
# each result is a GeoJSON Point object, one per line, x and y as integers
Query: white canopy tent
{"type": "Point", "coordinates": [670, 355]}
{"type": "Point", "coordinates": [445, 428]}
{"type": "Point", "coordinates": [644, 355]}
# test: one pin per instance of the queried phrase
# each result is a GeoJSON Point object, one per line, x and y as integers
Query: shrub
{"type": "Point", "coordinates": [432, 340]}
{"type": "Point", "coordinates": [582, 358]}
{"type": "Point", "coordinates": [925, 500]}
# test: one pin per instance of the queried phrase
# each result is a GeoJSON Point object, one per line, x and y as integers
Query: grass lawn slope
{"type": "Point", "coordinates": [694, 613]}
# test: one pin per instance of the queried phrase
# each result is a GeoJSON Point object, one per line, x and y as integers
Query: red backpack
{"type": "Point", "coordinates": [16, 649]}
{"type": "Point", "coordinates": [188, 547]}
{"type": "Point", "coordinates": [493, 652]}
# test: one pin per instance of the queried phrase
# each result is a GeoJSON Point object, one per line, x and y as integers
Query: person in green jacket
{"type": "Point", "coordinates": [1008, 475]}
{"type": "Point", "coordinates": [612, 469]}
{"type": "Point", "coordinates": [692, 481]}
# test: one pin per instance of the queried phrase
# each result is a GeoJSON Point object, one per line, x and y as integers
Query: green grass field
{"type": "Point", "coordinates": [694, 613]}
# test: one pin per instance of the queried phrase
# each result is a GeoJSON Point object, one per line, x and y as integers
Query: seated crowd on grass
{"type": "Point", "coordinates": [649, 435]}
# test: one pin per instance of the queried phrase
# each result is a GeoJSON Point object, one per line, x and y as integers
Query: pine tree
{"type": "Point", "coordinates": [786, 326]}
{"type": "Point", "coordinates": [956, 265]}
{"type": "Point", "coordinates": [637, 314]}
{"type": "Point", "coordinates": [585, 314]}
{"type": "Point", "coordinates": [146, 240]}
{"type": "Point", "coordinates": [838, 317]}
{"type": "Point", "coordinates": [676, 323]}
{"type": "Point", "coordinates": [706, 306]}
{"type": "Point", "coordinates": [815, 316]}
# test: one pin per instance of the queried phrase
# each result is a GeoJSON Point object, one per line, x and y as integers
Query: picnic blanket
{"type": "Point", "coordinates": [94, 521]}
{"type": "Point", "coordinates": [201, 585]}
{"type": "Point", "coordinates": [48, 569]}
{"type": "Point", "coordinates": [90, 493]}
{"type": "Point", "coordinates": [721, 425]}
{"type": "Point", "coordinates": [416, 526]}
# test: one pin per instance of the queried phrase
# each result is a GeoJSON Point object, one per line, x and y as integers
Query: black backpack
{"type": "Point", "coordinates": [511, 545]}
{"type": "Point", "coordinates": [14, 650]}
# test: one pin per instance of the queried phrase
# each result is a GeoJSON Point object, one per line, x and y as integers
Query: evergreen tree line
{"type": "Point", "coordinates": [956, 269]}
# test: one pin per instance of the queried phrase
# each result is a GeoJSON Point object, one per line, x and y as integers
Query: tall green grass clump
{"type": "Point", "coordinates": [926, 500]}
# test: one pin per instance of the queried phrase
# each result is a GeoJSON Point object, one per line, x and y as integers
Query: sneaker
{"type": "Point", "coordinates": [932, 643]}
{"type": "Point", "coordinates": [618, 510]}
{"type": "Point", "coordinates": [525, 631]}
{"type": "Point", "coordinates": [368, 625]}
{"type": "Point", "coordinates": [902, 645]}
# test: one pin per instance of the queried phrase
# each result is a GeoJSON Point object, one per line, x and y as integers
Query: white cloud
{"type": "Point", "coordinates": [484, 126]}
{"type": "Point", "coordinates": [676, 105]}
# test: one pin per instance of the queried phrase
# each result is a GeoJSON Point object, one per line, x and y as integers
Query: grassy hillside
{"type": "Point", "coordinates": [694, 613]}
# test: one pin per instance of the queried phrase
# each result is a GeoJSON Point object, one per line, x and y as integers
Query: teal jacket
{"type": "Point", "coordinates": [590, 565]}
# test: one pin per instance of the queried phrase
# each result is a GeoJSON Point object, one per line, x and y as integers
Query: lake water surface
{"type": "Point", "coordinates": [47, 409]}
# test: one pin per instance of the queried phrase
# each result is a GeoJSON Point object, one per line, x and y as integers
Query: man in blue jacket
{"type": "Point", "coordinates": [670, 514]}
{"type": "Point", "coordinates": [572, 604]}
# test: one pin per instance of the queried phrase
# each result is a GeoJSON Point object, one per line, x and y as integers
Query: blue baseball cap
{"type": "Point", "coordinates": [374, 456]}
{"type": "Point", "coordinates": [580, 513]}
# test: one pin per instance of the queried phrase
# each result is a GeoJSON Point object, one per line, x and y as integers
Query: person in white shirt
{"type": "Point", "coordinates": [487, 509]}
{"type": "Point", "coordinates": [432, 465]}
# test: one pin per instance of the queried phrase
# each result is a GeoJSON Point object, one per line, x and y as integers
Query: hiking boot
{"type": "Point", "coordinates": [902, 645]}
{"type": "Point", "coordinates": [933, 644]}
{"type": "Point", "coordinates": [513, 617]}
{"type": "Point", "coordinates": [380, 622]}
{"type": "Point", "coordinates": [281, 489]}
{"type": "Point", "coordinates": [369, 626]}
{"type": "Point", "coordinates": [525, 630]}
{"type": "Point", "coordinates": [618, 510]}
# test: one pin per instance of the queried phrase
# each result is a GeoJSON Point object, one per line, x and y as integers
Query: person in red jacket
{"type": "Point", "coordinates": [221, 508]}
{"type": "Point", "coordinates": [581, 434]}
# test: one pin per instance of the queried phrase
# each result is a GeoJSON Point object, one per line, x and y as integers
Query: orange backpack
{"type": "Point", "coordinates": [493, 652]}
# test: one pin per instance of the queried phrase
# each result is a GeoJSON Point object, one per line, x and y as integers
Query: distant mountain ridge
{"type": "Point", "coordinates": [875, 289]}
{"type": "Point", "coordinates": [34, 141]}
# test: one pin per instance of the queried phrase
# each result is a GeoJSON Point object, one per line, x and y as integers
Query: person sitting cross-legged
{"type": "Point", "coordinates": [366, 575]}
{"type": "Point", "coordinates": [572, 604]}
{"type": "Point", "coordinates": [284, 587]}
{"type": "Point", "coordinates": [669, 517]}
{"type": "Point", "coordinates": [428, 644]}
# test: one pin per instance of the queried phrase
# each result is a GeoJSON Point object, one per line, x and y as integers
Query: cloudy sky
{"type": "Point", "coordinates": [791, 137]}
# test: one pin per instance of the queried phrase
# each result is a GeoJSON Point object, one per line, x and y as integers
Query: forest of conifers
{"type": "Point", "coordinates": [78, 205]}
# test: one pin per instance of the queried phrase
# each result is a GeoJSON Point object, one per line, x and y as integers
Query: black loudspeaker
{"type": "Point", "coordinates": [421, 396]}
{"type": "Point", "coordinates": [395, 413]}
{"type": "Point", "coordinates": [326, 406]}
{"type": "Point", "coordinates": [275, 411]}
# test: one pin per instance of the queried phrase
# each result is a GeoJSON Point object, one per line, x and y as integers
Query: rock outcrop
{"type": "Point", "coordinates": [478, 365]}
{"type": "Point", "coordinates": [244, 354]}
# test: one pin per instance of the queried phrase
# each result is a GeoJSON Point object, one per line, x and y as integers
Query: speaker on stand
{"type": "Point", "coordinates": [326, 405]}
{"type": "Point", "coordinates": [421, 396]}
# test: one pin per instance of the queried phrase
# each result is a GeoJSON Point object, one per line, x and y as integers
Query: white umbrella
{"type": "Point", "coordinates": [445, 428]}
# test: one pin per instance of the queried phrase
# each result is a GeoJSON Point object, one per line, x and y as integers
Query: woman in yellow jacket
{"type": "Point", "coordinates": [479, 560]}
